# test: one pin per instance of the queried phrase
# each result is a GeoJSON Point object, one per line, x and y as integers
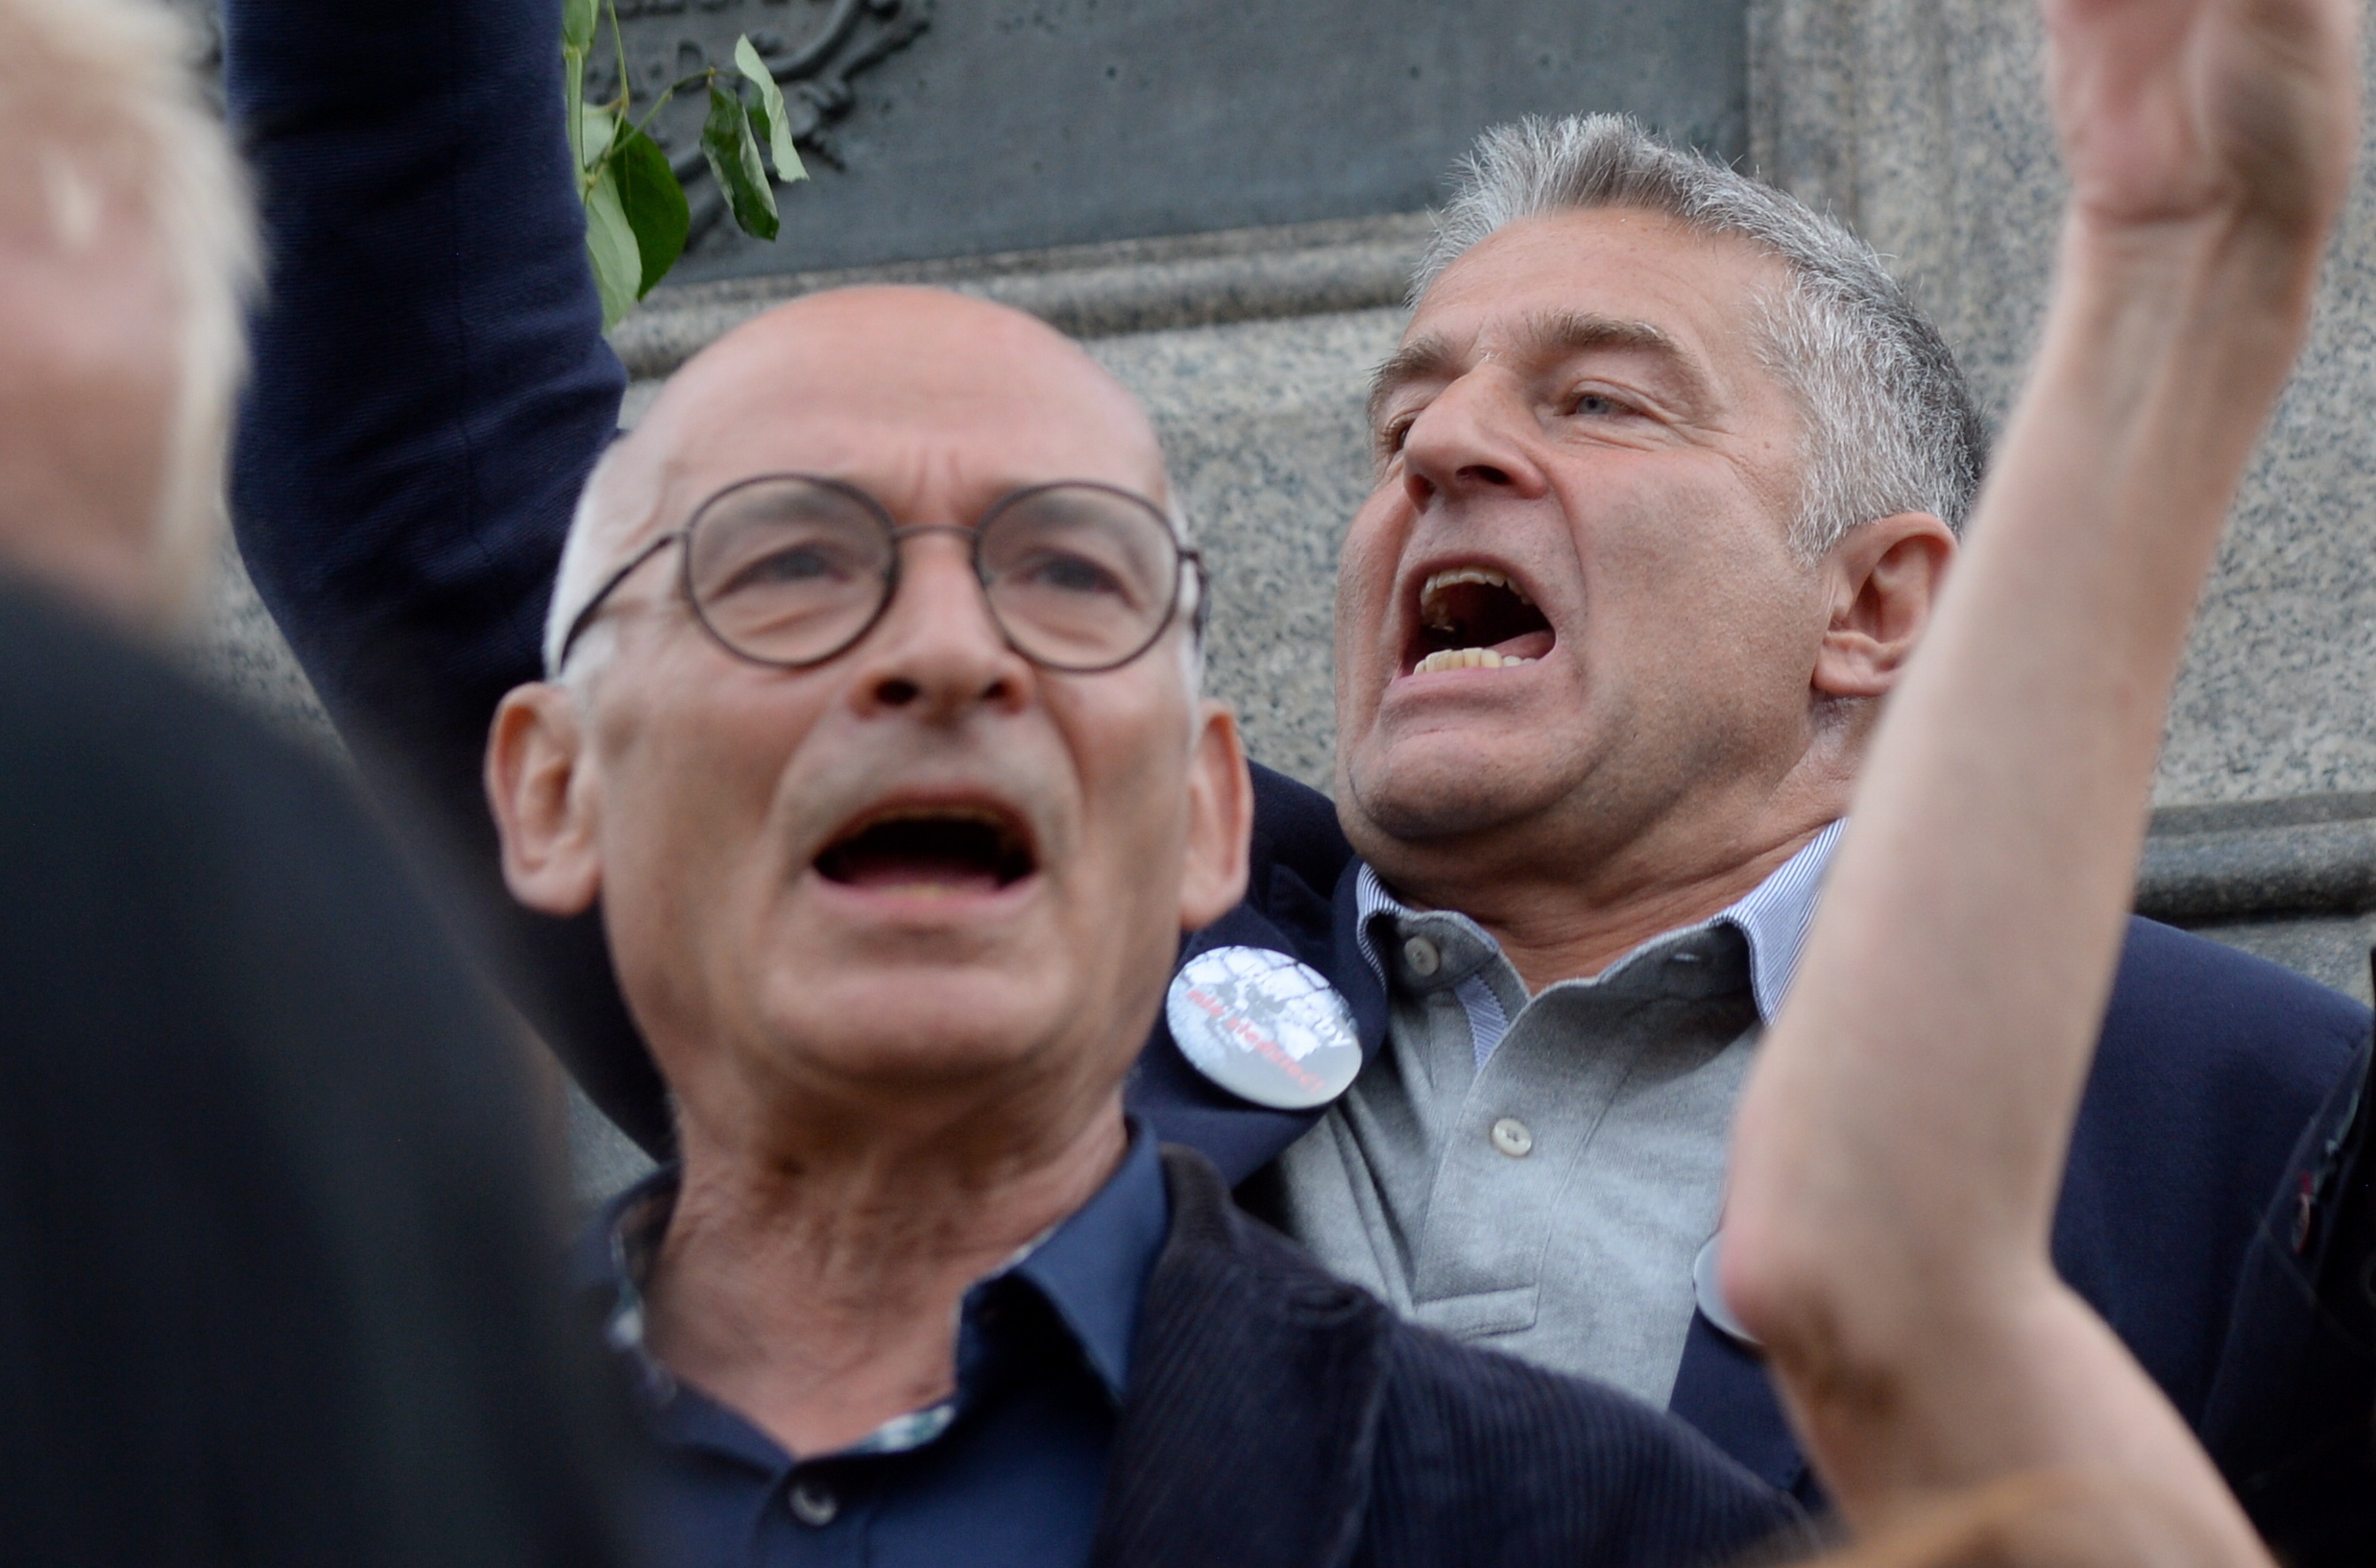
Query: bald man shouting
{"type": "Point", "coordinates": [871, 717]}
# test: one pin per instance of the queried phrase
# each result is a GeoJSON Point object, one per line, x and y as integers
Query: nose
{"type": "Point", "coordinates": [1475, 436]}
{"type": "Point", "coordinates": [936, 652]}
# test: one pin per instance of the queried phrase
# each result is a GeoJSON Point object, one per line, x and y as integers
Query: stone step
{"type": "Point", "coordinates": [1090, 291]}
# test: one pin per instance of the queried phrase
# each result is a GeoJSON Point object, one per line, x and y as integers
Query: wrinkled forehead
{"type": "Point", "coordinates": [937, 417]}
{"type": "Point", "coordinates": [1615, 279]}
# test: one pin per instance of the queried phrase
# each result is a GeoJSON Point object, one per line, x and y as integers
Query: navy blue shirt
{"type": "Point", "coordinates": [1008, 1470]}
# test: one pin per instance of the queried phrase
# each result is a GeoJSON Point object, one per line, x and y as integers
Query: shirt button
{"type": "Point", "coordinates": [1421, 955]}
{"type": "Point", "coordinates": [1510, 1137]}
{"type": "Point", "coordinates": [813, 1505]}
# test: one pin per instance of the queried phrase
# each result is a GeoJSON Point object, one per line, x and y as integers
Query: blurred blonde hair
{"type": "Point", "coordinates": [99, 103]}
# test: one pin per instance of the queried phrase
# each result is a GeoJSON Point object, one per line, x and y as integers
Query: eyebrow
{"type": "Point", "coordinates": [1554, 333]}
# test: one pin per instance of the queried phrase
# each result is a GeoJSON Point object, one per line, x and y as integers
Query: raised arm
{"type": "Point", "coordinates": [1901, 1141]}
{"type": "Point", "coordinates": [430, 387]}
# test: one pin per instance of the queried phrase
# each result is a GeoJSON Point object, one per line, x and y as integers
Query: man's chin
{"type": "Point", "coordinates": [914, 1054]}
{"type": "Point", "coordinates": [1437, 788]}
{"type": "Point", "coordinates": [923, 1022]}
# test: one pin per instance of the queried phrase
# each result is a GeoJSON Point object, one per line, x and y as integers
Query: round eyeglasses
{"type": "Point", "coordinates": [791, 570]}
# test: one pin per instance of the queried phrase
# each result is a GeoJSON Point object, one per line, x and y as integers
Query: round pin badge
{"type": "Point", "coordinates": [1709, 1291]}
{"type": "Point", "coordinates": [1263, 1026]}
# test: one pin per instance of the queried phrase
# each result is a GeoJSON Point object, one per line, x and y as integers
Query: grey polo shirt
{"type": "Point", "coordinates": [1537, 1174]}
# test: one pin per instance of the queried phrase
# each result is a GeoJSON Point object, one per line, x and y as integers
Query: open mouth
{"type": "Point", "coordinates": [931, 849]}
{"type": "Point", "coordinates": [1474, 617]}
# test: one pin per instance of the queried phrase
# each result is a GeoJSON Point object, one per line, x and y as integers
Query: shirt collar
{"type": "Point", "coordinates": [1773, 918]}
{"type": "Point", "coordinates": [1091, 1267]}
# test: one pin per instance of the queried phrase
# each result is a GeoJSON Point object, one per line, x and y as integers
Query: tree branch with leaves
{"type": "Point", "coordinates": [636, 215]}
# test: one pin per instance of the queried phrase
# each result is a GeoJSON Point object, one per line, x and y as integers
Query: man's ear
{"type": "Point", "coordinates": [1885, 580]}
{"type": "Point", "coordinates": [544, 800]}
{"type": "Point", "coordinates": [1220, 820]}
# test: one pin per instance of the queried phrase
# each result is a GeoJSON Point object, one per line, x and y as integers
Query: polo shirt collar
{"type": "Point", "coordinates": [1093, 1266]}
{"type": "Point", "coordinates": [1773, 918]}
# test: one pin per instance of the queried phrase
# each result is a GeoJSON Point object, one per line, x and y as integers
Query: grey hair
{"type": "Point", "coordinates": [1890, 422]}
{"type": "Point", "coordinates": [598, 539]}
{"type": "Point", "coordinates": [101, 103]}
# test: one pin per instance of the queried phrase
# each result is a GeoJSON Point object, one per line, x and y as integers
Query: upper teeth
{"type": "Point", "coordinates": [1432, 608]}
{"type": "Point", "coordinates": [1472, 574]}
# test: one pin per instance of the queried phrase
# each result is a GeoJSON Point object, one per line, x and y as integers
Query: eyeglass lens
{"type": "Point", "coordinates": [791, 570]}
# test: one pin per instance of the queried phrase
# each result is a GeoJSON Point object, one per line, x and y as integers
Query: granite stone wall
{"type": "Point", "coordinates": [1923, 123]}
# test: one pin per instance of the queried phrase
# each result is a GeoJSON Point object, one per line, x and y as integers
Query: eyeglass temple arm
{"type": "Point", "coordinates": [610, 584]}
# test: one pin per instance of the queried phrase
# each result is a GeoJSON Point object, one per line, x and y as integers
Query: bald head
{"type": "Point", "coordinates": [902, 392]}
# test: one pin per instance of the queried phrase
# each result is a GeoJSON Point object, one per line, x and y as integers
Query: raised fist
{"type": "Point", "coordinates": [2226, 111]}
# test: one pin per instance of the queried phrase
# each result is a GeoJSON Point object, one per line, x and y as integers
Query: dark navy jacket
{"type": "Point", "coordinates": [431, 387]}
{"type": "Point", "coordinates": [1263, 1387]}
{"type": "Point", "coordinates": [2292, 1416]}
{"type": "Point", "coordinates": [1263, 1415]}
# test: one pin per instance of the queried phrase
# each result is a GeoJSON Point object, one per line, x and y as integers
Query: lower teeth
{"type": "Point", "coordinates": [1464, 659]}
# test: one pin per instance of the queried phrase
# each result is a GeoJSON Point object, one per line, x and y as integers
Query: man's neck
{"type": "Point", "coordinates": [1548, 940]}
{"type": "Point", "coordinates": [817, 1297]}
{"type": "Point", "coordinates": [1562, 927]}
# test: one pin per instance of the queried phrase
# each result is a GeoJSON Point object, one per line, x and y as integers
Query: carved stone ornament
{"type": "Point", "coordinates": [813, 47]}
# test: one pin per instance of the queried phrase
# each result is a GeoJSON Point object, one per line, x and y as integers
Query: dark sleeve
{"type": "Point", "coordinates": [1482, 1458]}
{"type": "Point", "coordinates": [430, 388]}
{"type": "Point", "coordinates": [2292, 1416]}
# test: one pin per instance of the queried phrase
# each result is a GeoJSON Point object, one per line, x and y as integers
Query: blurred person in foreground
{"type": "Point", "coordinates": [1903, 1132]}
{"type": "Point", "coordinates": [1668, 469]}
{"type": "Point", "coordinates": [269, 1226]}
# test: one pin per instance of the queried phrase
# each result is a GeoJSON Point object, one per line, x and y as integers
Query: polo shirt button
{"type": "Point", "coordinates": [813, 1505]}
{"type": "Point", "coordinates": [1421, 955]}
{"type": "Point", "coordinates": [1510, 1137]}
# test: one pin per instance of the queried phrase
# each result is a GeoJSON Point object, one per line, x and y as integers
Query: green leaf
{"type": "Point", "coordinates": [577, 24]}
{"type": "Point", "coordinates": [732, 151]}
{"type": "Point", "coordinates": [610, 241]}
{"type": "Point", "coordinates": [774, 129]}
{"type": "Point", "coordinates": [655, 205]}
{"type": "Point", "coordinates": [596, 126]}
